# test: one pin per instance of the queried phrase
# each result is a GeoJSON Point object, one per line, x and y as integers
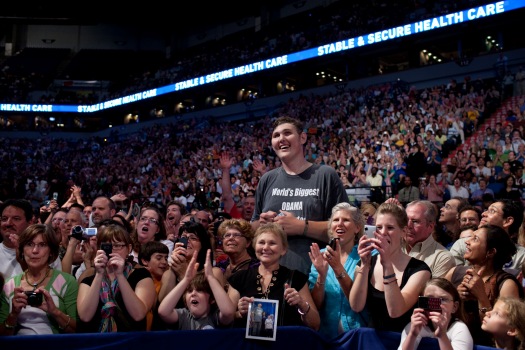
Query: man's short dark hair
{"type": "Point", "coordinates": [150, 248]}
{"type": "Point", "coordinates": [77, 205]}
{"type": "Point", "coordinates": [23, 204]}
{"type": "Point", "coordinates": [283, 120]}
{"type": "Point", "coordinates": [181, 206]}
{"type": "Point", "coordinates": [470, 207]}
{"type": "Point", "coordinates": [462, 202]}
{"type": "Point", "coordinates": [512, 209]}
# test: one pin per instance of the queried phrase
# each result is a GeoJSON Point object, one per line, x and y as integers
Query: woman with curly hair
{"type": "Point", "coordinates": [483, 280]}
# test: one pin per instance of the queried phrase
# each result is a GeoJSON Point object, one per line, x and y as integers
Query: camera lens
{"type": "Point", "coordinates": [77, 230]}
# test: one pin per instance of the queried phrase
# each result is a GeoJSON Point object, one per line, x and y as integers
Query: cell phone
{"type": "Point", "coordinates": [136, 210]}
{"type": "Point", "coordinates": [429, 304]}
{"type": "Point", "coordinates": [107, 248]}
{"type": "Point", "coordinates": [55, 195]}
{"type": "Point", "coordinates": [48, 203]}
{"type": "Point", "coordinates": [333, 243]}
{"type": "Point", "coordinates": [184, 241]}
{"type": "Point", "coordinates": [369, 231]}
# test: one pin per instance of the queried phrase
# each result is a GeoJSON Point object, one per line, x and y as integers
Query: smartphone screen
{"type": "Point", "coordinates": [429, 304]}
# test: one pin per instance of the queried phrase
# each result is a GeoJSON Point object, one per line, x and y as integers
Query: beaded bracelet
{"type": "Point", "coordinates": [389, 282]}
{"type": "Point", "coordinates": [389, 276]}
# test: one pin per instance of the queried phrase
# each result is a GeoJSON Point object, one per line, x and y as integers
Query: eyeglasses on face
{"type": "Point", "coordinates": [32, 245]}
{"type": "Point", "coordinates": [190, 237]}
{"type": "Point", "coordinates": [232, 235]}
{"type": "Point", "coordinates": [151, 220]}
{"type": "Point", "coordinates": [118, 246]}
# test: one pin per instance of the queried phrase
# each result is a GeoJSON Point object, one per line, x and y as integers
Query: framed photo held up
{"type": "Point", "coordinates": [262, 319]}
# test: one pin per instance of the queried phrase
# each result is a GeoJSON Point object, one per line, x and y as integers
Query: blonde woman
{"type": "Point", "coordinates": [270, 280]}
{"type": "Point", "coordinates": [387, 284]}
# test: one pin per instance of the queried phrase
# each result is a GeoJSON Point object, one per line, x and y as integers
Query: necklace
{"type": "Point", "coordinates": [488, 279]}
{"type": "Point", "coordinates": [241, 265]}
{"type": "Point", "coordinates": [260, 279]}
{"type": "Point", "coordinates": [35, 285]}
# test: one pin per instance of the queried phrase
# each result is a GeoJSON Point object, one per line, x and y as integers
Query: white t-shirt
{"type": "Point", "coordinates": [458, 334]}
{"type": "Point", "coordinates": [10, 267]}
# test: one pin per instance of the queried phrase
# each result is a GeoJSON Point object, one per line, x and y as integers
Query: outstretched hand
{"type": "Point", "coordinates": [193, 266]}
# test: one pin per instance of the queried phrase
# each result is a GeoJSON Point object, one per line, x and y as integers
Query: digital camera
{"type": "Point", "coordinates": [107, 248]}
{"type": "Point", "coordinates": [83, 234]}
{"type": "Point", "coordinates": [34, 298]}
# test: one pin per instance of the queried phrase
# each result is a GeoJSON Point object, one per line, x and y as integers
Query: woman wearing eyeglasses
{"type": "Point", "coordinates": [120, 294]}
{"type": "Point", "coordinates": [195, 238]}
{"type": "Point", "coordinates": [150, 226]}
{"type": "Point", "coordinates": [236, 236]}
{"type": "Point", "coordinates": [41, 300]}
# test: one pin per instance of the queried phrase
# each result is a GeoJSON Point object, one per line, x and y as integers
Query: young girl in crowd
{"type": "Point", "coordinates": [506, 323]}
{"type": "Point", "coordinates": [446, 325]}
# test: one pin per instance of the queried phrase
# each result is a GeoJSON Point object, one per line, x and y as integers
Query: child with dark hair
{"type": "Point", "coordinates": [207, 304]}
{"type": "Point", "coordinates": [154, 256]}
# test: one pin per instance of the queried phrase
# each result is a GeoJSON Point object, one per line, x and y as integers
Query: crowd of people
{"type": "Point", "coordinates": [335, 21]}
{"type": "Point", "coordinates": [108, 261]}
{"type": "Point", "coordinates": [190, 226]}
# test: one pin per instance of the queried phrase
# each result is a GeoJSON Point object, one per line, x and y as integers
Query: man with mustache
{"type": "Point", "coordinates": [16, 217]}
